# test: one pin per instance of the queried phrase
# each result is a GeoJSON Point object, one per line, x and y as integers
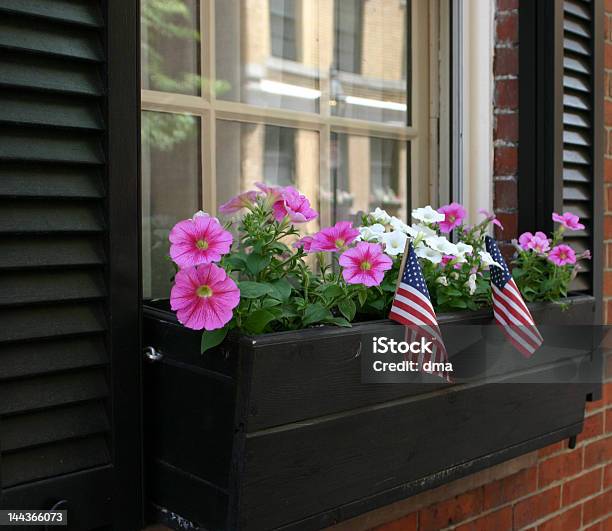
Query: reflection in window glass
{"type": "Point", "coordinates": [368, 172]}
{"type": "Point", "coordinates": [283, 42]}
{"type": "Point", "coordinates": [368, 79]}
{"type": "Point", "coordinates": [170, 46]}
{"type": "Point", "coordinates": [248, 153]}
{"type": "Point", "coordinates": [170, 190]}
{"type": "Point", "coordinates": [267, 52]}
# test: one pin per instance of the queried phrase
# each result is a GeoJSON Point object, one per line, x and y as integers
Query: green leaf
{"type": "Point", "coordinates": [338, 321]}
{"type": "Point", "coordinates": [315, 313]}
{"type": "Point", "coordinates": [330, 291]}
{"type": "Point", "coordinates": [458, 303]}
{"type": "Point", "coordinates": [517, 272]}
{"type": "Point", "coordinates": [212, 338]}
{"type": "Point", "coordinates": [281, 289]}
{"type": "Point", "coordinates": [256, 263]}
{"type": "Point", "coordinates": [347, 308]}
{"type": "Point", "coordinates": [362, 295]}
{"type": "Point", "coordinates": [253, 290]}
{"type": "Point", "coordinates": [258, 320]}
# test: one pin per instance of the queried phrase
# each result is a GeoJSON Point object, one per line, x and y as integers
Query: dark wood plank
{"type": "Point", "coordinates": [49, 391]}
{"type": "Point", "coordinates": [86, 492]}
{"type": "Point", "coordinates": [28, 287]}
{"type": "Point", "coordinates": [81, 12]}
{"type": "Point", "coordinates": [32, 216]}
{"type": "Point", "coordinates": [303, 469]}
{"type": "Point", "coordinates": [41, 251]}
{"type": "Point", "coordinates": [41, 357]}
{"type": "Point", "coordinates": [69, 422]}
{"type": "Point", "coordinates": [52, 321]}
{"type": "Point", "coordinates": [49, 74]}
{"type": "Point", "coordinates": [55, 459]}
{"type": "Point", "coordinates": [48, 38]}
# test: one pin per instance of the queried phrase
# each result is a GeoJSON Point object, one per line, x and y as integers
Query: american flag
{"type": "Point", "coordinates": [509, 308]}
{"type": "Point", "coordinates": [412, 307]}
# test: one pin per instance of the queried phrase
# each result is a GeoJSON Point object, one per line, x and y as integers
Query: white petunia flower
{"type": "Point", "coordinates": [471, 283]}
{"type": "Point", "coordinates": [442, 280]}
{"type": "Point", "coordinates": [372, 232]}
{"type": "Point", "coordinates": [424, 231]}
{"type": "Point", "coordinates": [398, 224]}
{"type": "Point", "coordinates": [381, 215]}
{"type": "Point", "coordinates": [428, 215]}
{"type": "Point", "coordinates": [432, 255]}
{"type": "Point", "coordinates": [487, 259]}
{"type": "Point", "coordinates": [395, 242]}
{"type": "Point", "coordinates": [464, 248]}
{"type": "Point", "coordinates": [441, 244]}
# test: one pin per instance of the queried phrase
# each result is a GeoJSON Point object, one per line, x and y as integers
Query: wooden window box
{"type": "Point", "coordinates": [277, 431]}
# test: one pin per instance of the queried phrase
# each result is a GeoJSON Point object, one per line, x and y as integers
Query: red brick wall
{"type": "Point", "coordinates": [561, 489]}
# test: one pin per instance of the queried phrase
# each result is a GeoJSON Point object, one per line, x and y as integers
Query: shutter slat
{"type": "Point", "coordinates": [20, 323]}
{"type": "Point", "coordinates": [49, 146]}
{"type": "Point", "coordinates": [67, 422]}
{"type": "Point", "coordinates": [53, 460]}
{"type": "Point", "coordinates": [576, 119]}
{"type": "Point", "coordinates": [28, 359]}
{"type": "Point", "coordinates": [49, 74]}
{"type": "Point", "coordinates": [43, 392]}
{"type": "Point", "coordinates": [49, 39]}
{"type": "Point", "coordinates": [576, 102]}
{"type": "Point", "coordinates": [18, 288]}
{"type": "Point", "coordinates": [577, 83]}
{"type": "Point", "coordinates": [576, 193]}
{"type": "Point", "coordinates": [576, 27]}
{"type": "Point", "coordinates": [82, 12]}
{"type": "Point", "coordinates": [34, 252]}
{"type": "Point", "coordinates": [49, 216]}
{"type": "Point", "coordinates": [576, 64]}
{"type": "Point", "coordinates": [38, 181]}
{"type": "Point", "coordinates": [577, 9]}
{"type": "Point", "coordinates": [576, 174]}
{"type": "Point", "coordinates": [576, 156]}
{"type": "Point", "coordinates": [576, 138]}
{"type": "Point", "coordinates": [577, 46]}
{"type": "Point", "coordinates": [50, 110]}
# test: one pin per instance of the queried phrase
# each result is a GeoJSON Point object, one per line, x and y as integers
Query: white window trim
{"type": "Point", "coordinates": [473, 116]}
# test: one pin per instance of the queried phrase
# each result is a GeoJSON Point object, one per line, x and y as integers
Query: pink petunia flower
{"type": "Point", "coordinates": [454, 215]}
{"type": "Point", "coordinates": [562, 255]}
{"type": "Point", "coordinates": [304, 243]}
{"type": "Point", "coordinates": [538, 241]}
{"type": "Point", "coordinates": [365, 264]}
{"type": "Point", "coordinates": [271, 190]}
{"type": "Point", "coordinates": [293, 204]}
{"type": "Point", "coordinates": [491, 217]}
{"type": "Point", "coordinates": [568, 220]}
{"type": "Point", "coordinates": [204, 297]}
{"type": "Point", "coordinates": [200, 240]}
{"type": "Point", "coordinates": [238, 202]}
{"type": "Point", "coordinates": [334, 238]}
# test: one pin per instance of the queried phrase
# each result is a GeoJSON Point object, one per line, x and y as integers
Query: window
{"type": "Point", "coordinates": [331, 96]}
{"type": "Point", "coordinates": [283, 41]}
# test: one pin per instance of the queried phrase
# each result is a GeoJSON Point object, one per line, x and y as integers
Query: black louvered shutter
{"type": "Point", "coordinates": [69, 267]}
{"type": "Point", "coordinates": [578, 104]}
{"type": "Point", "coordinates": [560, 116]}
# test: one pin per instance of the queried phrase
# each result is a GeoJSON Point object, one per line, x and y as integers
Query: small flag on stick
{"type": "Point", "coordinates": [412, 307]}
{"type": "Point", "coordinates": [509, 308]}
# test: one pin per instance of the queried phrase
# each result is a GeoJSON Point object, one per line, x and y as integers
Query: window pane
{"type": "Point", "coordinates": [267, 53]}
{"type": "Point", "coordinates": [170, 46]}
{"type": "Point", "coordinates": [248, 153]}
{"type": "Point", "coordinates": [170, 190]}
{"type": "Point", "coordinates": [368, 172]}
{"type": "Point", "coordinates": [369, 74]}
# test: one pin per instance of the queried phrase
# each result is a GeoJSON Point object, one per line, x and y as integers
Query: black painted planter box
{"type": "Point", "coordinates": [277, 431]}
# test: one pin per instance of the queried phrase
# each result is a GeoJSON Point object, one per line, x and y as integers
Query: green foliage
{"type": "Point", "coordinates": [539, 279]}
